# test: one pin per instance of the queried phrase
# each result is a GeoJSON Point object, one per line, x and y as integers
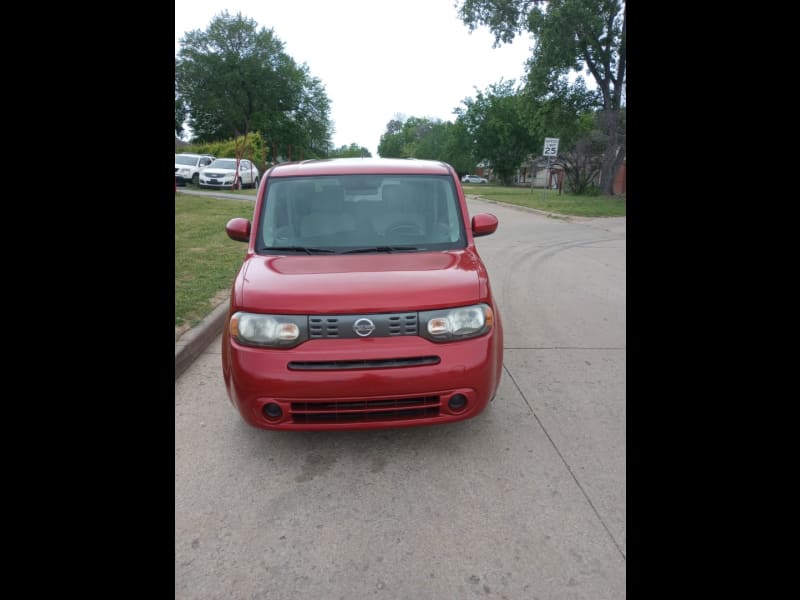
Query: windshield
{"type": "Point", "coordinates": [223, 163]}
{"type": "Point", "coordinates": [360, 213]}
{"type": "Point", "coordinates": [185, 160]}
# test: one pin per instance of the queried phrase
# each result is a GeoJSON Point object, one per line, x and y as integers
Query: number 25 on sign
{"type": "Point", "coordinates": [550, 147]}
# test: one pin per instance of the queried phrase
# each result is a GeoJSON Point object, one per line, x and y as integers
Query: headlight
{"type": "Point", "coordinates": [184, 171]}
{"type": "Point", "coordinates": [456, 323]}
{"type": "Point", "coordinates": [275, 331]}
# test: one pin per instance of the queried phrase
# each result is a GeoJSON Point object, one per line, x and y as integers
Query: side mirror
{"type": "Point", "coordinates": [238, 229]}
{"type": "Point", "coordinates": [484, 224]}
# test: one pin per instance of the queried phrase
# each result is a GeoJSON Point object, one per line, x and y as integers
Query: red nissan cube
{"type": "Point", "coordinates": [362, 301]}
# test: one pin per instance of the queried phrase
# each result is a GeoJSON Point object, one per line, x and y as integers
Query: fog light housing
{"type": "Point", "coordinates": [457, 402]}
{"type": "Point", "coordinates": [272, 411]}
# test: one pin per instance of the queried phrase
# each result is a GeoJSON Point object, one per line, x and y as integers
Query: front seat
{"type": "Point", "coordinates": [327, 216]}
{"type": "Point", "coordinates": [397, 210]}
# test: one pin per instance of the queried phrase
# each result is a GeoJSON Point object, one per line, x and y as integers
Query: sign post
{"type": "Point", "coordinates": [550, 151]}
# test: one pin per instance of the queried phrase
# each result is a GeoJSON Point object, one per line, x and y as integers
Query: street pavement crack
{"type": "Point", "coordinates": [566, 464]}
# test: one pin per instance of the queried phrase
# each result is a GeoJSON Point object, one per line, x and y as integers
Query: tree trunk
{"type": "Point", "coordinates": [614, 153]}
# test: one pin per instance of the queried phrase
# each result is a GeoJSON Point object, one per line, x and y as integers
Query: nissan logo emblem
{"type": "Point", "coordinates": [363, 327]}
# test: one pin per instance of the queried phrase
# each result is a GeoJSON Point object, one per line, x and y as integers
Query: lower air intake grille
{"type": "Point", "coordinates": [365, 411]}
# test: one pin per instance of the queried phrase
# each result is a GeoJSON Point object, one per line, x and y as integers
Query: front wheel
{"type": "Point", "coordinates": [196, 179]}
{"type": "Point", "coordinates": [255, 183]}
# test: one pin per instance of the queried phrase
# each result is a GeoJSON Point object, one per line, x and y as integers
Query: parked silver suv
{"type": "Point", "coordinates": [188, 167]}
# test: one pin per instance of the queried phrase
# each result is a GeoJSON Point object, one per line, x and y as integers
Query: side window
{"type": "Point", "coordinates": [205, 161]}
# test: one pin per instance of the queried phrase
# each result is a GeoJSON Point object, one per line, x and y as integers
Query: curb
{"type": "Point", "coordinates": [192, 343]}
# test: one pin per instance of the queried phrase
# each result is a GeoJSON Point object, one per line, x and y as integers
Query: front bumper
{"type": "Point", "coordinates": [343, 396]}
{"type": "Point", "coordinates": [216, 183]}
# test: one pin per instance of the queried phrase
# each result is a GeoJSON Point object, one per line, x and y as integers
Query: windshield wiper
{"type": "Point", "coordinates": [380, 249]}
{"type": "Point", "coordinates": [306, 249]}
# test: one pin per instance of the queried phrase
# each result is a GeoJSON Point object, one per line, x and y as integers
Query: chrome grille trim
{"type": "Point", "coordinates": [341, 326]}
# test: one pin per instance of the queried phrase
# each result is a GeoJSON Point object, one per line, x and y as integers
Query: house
{"type": "Point", "coordinates": [534, 172]}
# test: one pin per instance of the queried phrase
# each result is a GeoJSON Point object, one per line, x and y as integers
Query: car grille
{"type": "Point", "coordinates": [341, 326]}
{"type": "Point", "coordinates": [364, 411]}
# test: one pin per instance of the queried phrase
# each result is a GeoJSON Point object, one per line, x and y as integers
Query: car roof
{"type": "Point", "coordinates": [194, 155]}
{"type": "Point", "coordinates": [352, 166]}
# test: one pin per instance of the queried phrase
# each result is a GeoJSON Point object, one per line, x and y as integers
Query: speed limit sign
{"type": "Point", "coordinates": [550, 147]}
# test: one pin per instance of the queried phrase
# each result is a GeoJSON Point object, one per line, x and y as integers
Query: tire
{"type": "Point", "coordinates": [196, 179]}
{"type": "Point", "coordinates": [255, 183]}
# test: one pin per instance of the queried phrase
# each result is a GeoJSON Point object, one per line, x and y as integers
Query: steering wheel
{"type": "Point", "coordinates": [405, 229]}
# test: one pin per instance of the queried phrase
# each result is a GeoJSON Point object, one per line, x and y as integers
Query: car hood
{"type": "Point", "coordinates": [358, 283]}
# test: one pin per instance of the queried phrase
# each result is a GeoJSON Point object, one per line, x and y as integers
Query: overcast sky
{"type": "Point", "coordinates": [377, 58]}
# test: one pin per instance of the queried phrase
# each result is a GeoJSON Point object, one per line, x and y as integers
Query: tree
{"type": "Point", "coordinates": [584, 157]}
{"type": "Point", "coordinates": [180, 110]}
{"type": "Point", "coordinates": [561, 113]}
{"type": "Point", "coordinates": [392, 143]}
{"type": "Point", "coordinates": [313, 117]}
{"type": "Point", "coordinates": [498, 131]}
{"type": "Point", "coordinates": [235, 77]}
{"type": "Point", "coordinates": [458, 150]}
{"type": "Point", "coordinates": [570, 35]}
{"type": "Point", "coordinates": [425, 138]}
{"type": "Point", "coordinates": [180, 115]}
{"type": "Point", "coordinates": [305, 131]}
{"type": "Point", "coordinates": [351, 151]}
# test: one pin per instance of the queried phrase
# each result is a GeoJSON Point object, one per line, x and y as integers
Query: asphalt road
{"type": "Point", "coordinates": [526, 501]}
{"type": "Point", "coordinates": [225, 195]}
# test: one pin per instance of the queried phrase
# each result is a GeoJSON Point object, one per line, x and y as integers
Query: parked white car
{"type": "Point", "coordinates": [188, 167]}
{"type": "Point", "coordinates": [473, 179]}
{"type": "Point", "coordinates": [222, 174]}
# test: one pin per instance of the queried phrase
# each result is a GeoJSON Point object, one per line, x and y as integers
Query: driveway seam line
{"type": "Point", "coordinates": [566, 464]}
{"type": "Point", "coordinates": [563, 348]}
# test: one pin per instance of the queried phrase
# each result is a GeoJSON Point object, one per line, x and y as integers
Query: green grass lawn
{"type": "Point", "coordinates": [551, 201]}
{"type": "Point", "coordinates": [206, 259]}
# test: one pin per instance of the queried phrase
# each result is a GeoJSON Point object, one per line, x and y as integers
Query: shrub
{"type": "Point", "coordinates": [252, 147]}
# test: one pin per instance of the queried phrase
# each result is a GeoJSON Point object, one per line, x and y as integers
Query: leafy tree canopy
{"type": "Point", "coordinates": [426, 138]}
{"type": "Point", "coordinates": [495, 123]}
{"type": "Point", "coordinates": [235, 77]}
{"type": "Point", "coordinates": [351, 151]}
{"type": "Point", "coordinates": [570, 36]}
